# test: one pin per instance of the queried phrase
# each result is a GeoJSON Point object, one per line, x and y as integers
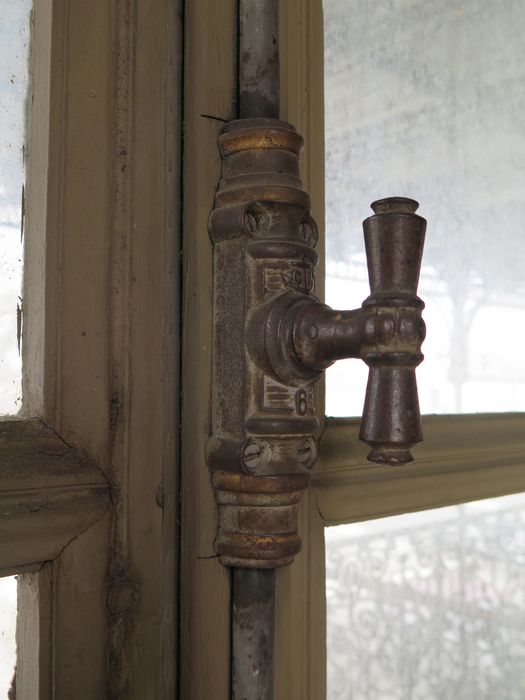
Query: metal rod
{"type": "Point", "coordinates": [253, 590]}
{"type": "Point", "coordinates": [253, 633]}
{"type": "Point", "coordinates": [259, 58]}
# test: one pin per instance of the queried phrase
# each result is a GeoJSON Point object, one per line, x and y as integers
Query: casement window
{"type": "Point", "coordinates": [88, 470]}
{"type": "Point", "coordinates": [465, 457]}
{"type": "Point", "coordinates": [107, 512]}
{"type": "Point", "coordinates": [410, 106]}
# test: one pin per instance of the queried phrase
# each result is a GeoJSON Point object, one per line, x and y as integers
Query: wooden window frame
{"type": "Point", "coordinates": [89, 471]}
{"type": "Point", "coordinates": [463, 457]}
{"type": "Point", "coordinates": [210, 78]}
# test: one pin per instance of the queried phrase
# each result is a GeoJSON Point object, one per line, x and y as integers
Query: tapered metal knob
{"type": "Point", "coordinates": [393, 330]}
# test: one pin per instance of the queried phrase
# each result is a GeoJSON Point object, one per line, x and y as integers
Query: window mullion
{"type": "Point", "coordinates": [49, 493]}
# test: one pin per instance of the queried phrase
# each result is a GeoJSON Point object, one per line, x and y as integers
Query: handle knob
{"type": "Point", "coordinates": [295, 338]}
{"type": "Point", "coordinates": [393, 330]}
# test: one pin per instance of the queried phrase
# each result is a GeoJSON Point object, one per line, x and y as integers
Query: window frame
{"type": "Point", "coordinates": [205, 584]}
{"type": "Point", "coordinates": [463, 457]}
{"type": "Point", "coordinates": [107, 89]}
{"type": "Point", "coordinates": [89, 479]}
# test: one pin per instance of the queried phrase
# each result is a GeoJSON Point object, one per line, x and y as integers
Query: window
{"type": "Point", "coordinates": [7, 632]}
{"type": "Point", "coordinates": [464, 458]}
{"type": "Point", "coordinates": [427, 604]}
{"type": "Point", "coordinates": [14, 31]}
{"type": "Point", "coordinates": [406, 115]}
{"type": "Point", "coordinates": [99, 349]}
{"type": "Point", "coordinates": [412, 107]}
{"type": "Point", "coordinates": [101, 345]}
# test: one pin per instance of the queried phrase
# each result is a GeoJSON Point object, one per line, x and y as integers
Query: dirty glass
{"type": "Point", "coordinates": [14, 48]}
{"type": "Point", "coordinates": [14, 41]}
{"type": "Point", "coordinates": [426, 99]}
{"type": "Point", "coordinates": [7, 632]}
{"type": "Point", "coordinates": [429, 606]}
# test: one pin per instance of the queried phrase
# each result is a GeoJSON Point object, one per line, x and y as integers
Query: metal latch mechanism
{"type": "Point", "coordinates": [273, 339]}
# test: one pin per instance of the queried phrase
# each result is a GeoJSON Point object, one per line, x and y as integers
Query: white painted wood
{"type": "Point", "coordinates": [34, 645]}
{"type": "Point", "coordinates": [210, 86]}
{"type": "Point", "coordinates": [101, 344]}
{"type": "Point", "coordinates": [462, 458]}
{"type": "Point", "coordinates": [36, 154]}
{"type": "Point", "coordinates": [49, 494]}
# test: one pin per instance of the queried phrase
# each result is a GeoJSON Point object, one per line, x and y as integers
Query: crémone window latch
{"type": "Point", "coordinates": [273, 339]}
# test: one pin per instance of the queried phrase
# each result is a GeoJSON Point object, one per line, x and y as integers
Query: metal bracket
{"type": "Point", "coordinates": [273, 339]}
{"type": "Point", "coordinates": [264, 431]}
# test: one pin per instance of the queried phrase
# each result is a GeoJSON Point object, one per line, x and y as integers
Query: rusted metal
{"type": "Point", "coordinates": [260, 450]}
{"type": "Point", "coordinates": [258, 524]}
{"type": "Point", "coordinates": [273, 339]}
{"type": "Point", "coordinates": [253, 633]}
{"type": "Point", "coordinates": [264, 431]}
{"type": "Point", "coordinates": [259, 58]}
{"type": "Point", "coordinates": [393, 330]}
{"type": "Point", "coordinates": [387, 332]}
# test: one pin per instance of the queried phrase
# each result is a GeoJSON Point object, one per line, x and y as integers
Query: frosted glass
{"type": "Point", "coordinates": [429, 606]}
{"type": "Point", "coordinates": [7, 632]}
{"type": "Point", "coordinates": [14, 40]}
{"type": "Point", "coordinates": [426, 99]}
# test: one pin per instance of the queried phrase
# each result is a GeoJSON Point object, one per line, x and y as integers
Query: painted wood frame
{"type": "Point", "coordinates": [101, 343]}
{"type": "Point", "coordinates": [210, 101]}
{"type": "Point", "coordinates": [89, 473]}
{"type": "Point", "coordinates": [49, 494]}
{"type": "Point", "coordinates": [463, 457]}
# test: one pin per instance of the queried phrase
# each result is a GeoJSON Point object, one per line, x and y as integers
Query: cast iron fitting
{"type": "Point", "coordinates": [264, 432]}
{"type": "Point", "coordinates": [386, 332]}
{"type": "Point", "coordinates": [321, 335]}
{"type": "Point", "coordinates": [258, 519]}
{"type": "Point", "coordinates": [273, 339]}
{"type": "Point", "coordinates": [393, 330]}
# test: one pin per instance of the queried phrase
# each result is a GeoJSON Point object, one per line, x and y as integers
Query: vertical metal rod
{"type": "Point", "coordinates": [253, 590]}
{"type": "Point", "coordinates": [253, 618]}
{"type": "Point", "coordinates": [259, 58]}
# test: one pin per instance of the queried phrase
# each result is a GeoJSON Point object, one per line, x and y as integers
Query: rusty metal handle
{"type": "Point", "coordinates": [392, 330]}
{"type": "Point", "coordinates": [386, 332]}
{"type": "Point", "coordinates": [273, 339]}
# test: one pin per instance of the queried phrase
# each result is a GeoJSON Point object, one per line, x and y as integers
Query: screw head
{"type": "Point", "coordinates": [250, 221]}
{"type": "Point", "coordinates": [306, 452]}
{"type": "Point", "coordinates": [255, 218]}
{"type": "Point", "coordinates": [252, 455]}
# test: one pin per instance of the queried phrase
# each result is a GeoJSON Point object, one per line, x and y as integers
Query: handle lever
{"type": "Point", "coordinates": [272, 339]}
{"type": "Point", "coordinates": [386, 332]}
{"type": "Point", "coordinates": [393, 330]}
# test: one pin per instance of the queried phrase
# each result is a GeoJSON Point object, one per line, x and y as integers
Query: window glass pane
{"type": "Point", "coordinates": [426, 99]}
{"type": "Point", "coordinates": [14, 40]}
{"type": "Point", "coordinates": [429, 605]}
{"type": "Point", "coordinates": [7, 633]}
